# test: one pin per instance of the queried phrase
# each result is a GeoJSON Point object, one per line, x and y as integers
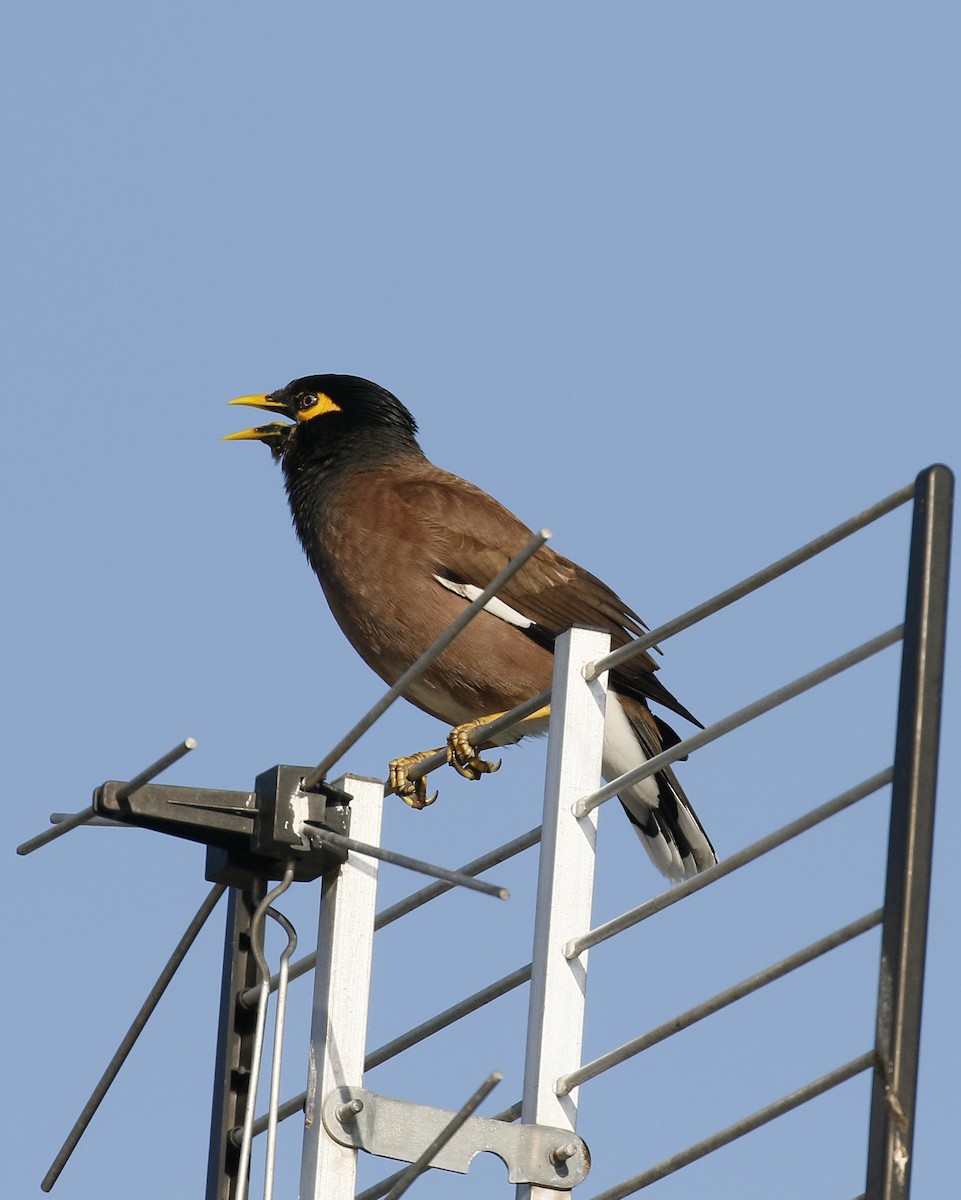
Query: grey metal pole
{"type": "Point", "coordinates": [235, 1041]}
{"type": "Point", "coordinates": [910, 841]}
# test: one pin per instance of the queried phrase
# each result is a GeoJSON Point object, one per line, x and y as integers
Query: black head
{"type": "Point", "coordinates": [337, 419]}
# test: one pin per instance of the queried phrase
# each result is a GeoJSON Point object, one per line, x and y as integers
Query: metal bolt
{"type": "Point", "coordinates": [345, 1113]}
{"type": "Point", "coordinates": [560, 1154]}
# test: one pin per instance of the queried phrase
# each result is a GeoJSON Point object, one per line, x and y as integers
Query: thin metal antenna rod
{"type": "Point", "coordinates": [747, 1125]}
{"type": "Point", "coordinates": [416, 1169]}
{"type": "Point", "coordinates": [326, 837]}
{"type": "Point", "coordinates": [726, 866]}
{"type": "Point", "coordinates": [378, 1190]}
{"type": "Point", "coordinates": [86, 814]}
{"type": "Point", "coordinates": [64, 826]}
{"type": "Point", "coordinates": [456, 1012]}
{"type": "Point", "coordinates": [414, 672]}
{"type": "Point", "coordinates": [509, 719]}
{"type": "Point", "coordinates": [741, 717]}
{"type": "Point", "coordinates": [744, 588]}
{"type": "Point", "coordinates": [492, 859]}
{"type": "Point", "coordinates": [130, 1038]}
{"type": "Point", "coordinates": [707, 1008]}
{"type": "Point", "coordinates": [289, 1108]}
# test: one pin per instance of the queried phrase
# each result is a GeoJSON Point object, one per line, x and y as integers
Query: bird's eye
{"type": "Point", "coordinates": [309, 405]}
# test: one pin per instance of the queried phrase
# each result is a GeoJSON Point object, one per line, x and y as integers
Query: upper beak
{"type": "Point", "coordinates": [262, 402]}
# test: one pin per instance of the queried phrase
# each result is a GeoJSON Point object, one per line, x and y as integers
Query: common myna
{"type": "Point", "coordinates": [401, 546]}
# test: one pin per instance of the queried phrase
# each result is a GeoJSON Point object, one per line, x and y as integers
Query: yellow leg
{"type": "Point", "coordinates": [462, 753]}
{"type": "Point", "coordinates": [411, 791]}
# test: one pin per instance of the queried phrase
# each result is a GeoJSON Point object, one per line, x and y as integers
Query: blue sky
{"type": "Point", "coordinates": [679, 281]}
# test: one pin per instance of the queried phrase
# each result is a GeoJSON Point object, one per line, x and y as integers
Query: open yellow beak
{"type": "Point", "coordinates": [274, 434]}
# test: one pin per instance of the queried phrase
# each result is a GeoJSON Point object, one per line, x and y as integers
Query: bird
{"type": "Point", "coordinates": [400, 547]}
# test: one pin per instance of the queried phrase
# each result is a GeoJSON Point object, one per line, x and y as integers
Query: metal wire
{"type": "Point", "coordinates": [433, 651]}
{"type": "Point", "coordinates": [256, 947]}
{"type": "Point", "coordinates": [567, 1083]}
{"type": "Point", "coordinates": [769, 1113]}
{"type": "Point", "coordinates": [754, 851]}
{"type": "Point", "coordinates": [277, 1054]}
{"type": "Point", "coordinates": [243, 1170]}
{"type": "Point", "coordinates": [734, 720]}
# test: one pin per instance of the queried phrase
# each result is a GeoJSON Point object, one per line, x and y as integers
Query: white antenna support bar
{"type": "Point", "coordinates": [338, 1032]}
{"type": "Point", "coordinates": [565, 886]}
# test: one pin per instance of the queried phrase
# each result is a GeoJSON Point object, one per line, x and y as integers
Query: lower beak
{"type": "Point", "coordinates": [273, 435]}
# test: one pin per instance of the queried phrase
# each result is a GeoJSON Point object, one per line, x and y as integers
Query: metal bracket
{"type": "Point", "coordinates": [401, 1130]}
{"type": "Point", "coordinates": [249, 835]}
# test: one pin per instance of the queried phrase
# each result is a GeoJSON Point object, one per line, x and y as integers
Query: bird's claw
{"type": "Point", "coordinates": [463, 756]}
{"type": "Point", "coordinates": [411, 791]}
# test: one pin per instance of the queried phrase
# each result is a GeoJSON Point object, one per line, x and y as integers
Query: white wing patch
{"type": "Point", "coordinates": [497, 608]}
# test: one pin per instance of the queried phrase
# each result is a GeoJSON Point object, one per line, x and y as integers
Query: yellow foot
{"type": "Point", "coordinates": [463, 757]}
{"type": "Point", "coordinates": [411, 791]}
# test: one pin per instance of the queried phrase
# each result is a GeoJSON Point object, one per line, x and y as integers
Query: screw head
{"type": "Point", "coordinates": [345, 1113]}
{"type": "Point", "coordinates": [560, 1154]}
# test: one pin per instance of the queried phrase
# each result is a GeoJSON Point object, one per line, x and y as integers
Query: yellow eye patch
{"type": "Point", "coordinates": [322, 404]}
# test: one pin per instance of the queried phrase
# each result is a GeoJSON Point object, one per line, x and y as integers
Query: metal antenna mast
{"type": "Point", "coordinates": [295, 827]}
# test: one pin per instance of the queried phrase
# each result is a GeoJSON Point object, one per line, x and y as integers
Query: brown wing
{"type": "Point", "coordinates": [474, 536]}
